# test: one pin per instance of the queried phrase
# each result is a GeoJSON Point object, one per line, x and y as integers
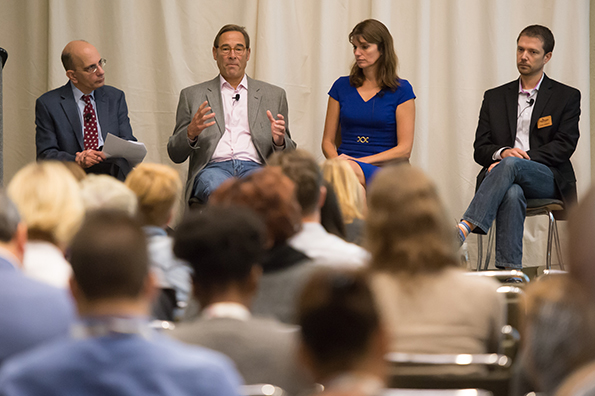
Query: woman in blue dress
{"type": "Point", "coordinates": [371, 111]}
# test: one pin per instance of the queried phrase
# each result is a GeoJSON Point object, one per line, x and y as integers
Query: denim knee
{"type": "Point", "coordinates": [514, 194]}
{"type": "Point", "coordinates": [510, 163]}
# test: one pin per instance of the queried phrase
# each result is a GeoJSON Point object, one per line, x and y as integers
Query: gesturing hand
{"type": "Point", "coordinates": [199, 121]}
{"type": "Point", "coordinates": [277, 128]}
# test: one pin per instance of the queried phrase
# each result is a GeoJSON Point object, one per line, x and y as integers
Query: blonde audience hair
{"type": "Point", "coordinates": [107, 192]}
{"type": "Point", "coordinates": [49, 200]}
{"type": "Point", "coordinates": [406, 228]}
{"type": "Point", "coordinates": [349, 191]}
{"type": "Point", "coordinates": [76, 170]}
{"type": "Point", "coordinates": [158, 188]}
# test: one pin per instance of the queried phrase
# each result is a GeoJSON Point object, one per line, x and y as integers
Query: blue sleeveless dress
{"type": "Point", "coordinates": [368, 127]}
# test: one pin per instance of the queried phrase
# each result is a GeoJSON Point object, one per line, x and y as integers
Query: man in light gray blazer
{"type": "Point", "coordinates": [224, 245]}
{"type": "Point", "coordinates": [230, 125]}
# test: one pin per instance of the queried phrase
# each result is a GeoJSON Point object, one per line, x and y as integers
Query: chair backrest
{"type": "Point", "coordinates": [463, 359]}
{"type": "Point", "coordinates": [435, 392]}
{"type": "Point", "coordinates": [261, 390]}
{"type": "Point", "coordinates": [162, 325]}
{"type": "Point", "coordinates": [495, 378]}
{"type": "Point", "coordinates": [501, 275]}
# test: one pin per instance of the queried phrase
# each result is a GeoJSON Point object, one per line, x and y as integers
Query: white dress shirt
{"type": "Point", "coordinates": [45, 262]}
{"type": "Point", "coordinates": [328, 249]}
{"type": "Point", "coordinates": [236, 142]}
{"type": "Point", "coordinates": [523, 121]}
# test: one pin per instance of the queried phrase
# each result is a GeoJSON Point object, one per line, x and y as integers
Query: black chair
{"type": "Point", "coordinates": [495, 378]}
{"type": "Point", "coordinates": [535, 207]}
{"type": "Point", "coordinates": [261, 390]}
{"type": "Point", "coordinates": [3, 57]}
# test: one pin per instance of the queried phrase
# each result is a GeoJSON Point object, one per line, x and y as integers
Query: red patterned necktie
{"type": "Point", "coordinates": [90, 137]}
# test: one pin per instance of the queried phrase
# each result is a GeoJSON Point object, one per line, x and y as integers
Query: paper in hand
{"type": "Point", "coordinates": [133, 152]}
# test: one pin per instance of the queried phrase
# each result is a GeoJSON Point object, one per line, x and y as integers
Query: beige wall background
{"type": "Point", "coordinates": [592, 81]}
{"type": "Point", "coordinates": [450, 50]}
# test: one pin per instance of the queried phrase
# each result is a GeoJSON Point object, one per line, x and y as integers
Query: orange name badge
{"type": "Point", "coordinates": [544, 122]}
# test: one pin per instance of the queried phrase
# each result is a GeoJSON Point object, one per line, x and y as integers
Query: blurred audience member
{"type": "Point", "coordinates": [350, 195]}
{"type": "Point", "coordinates": [271, 195]}
{"type": "Point", "coordinates": [225, 247]}
{"type": "Point", "coordinates": [428, 303]}
{"type": "Point", "coordinates": [321, 246]}
{"type": "Point", "coordinates": [49, 200]}
{"type": "Point", "coordinates": [557, 333]}
{"type": "Point", "coordinates": [343, 342]}
{"type": "Point", "coordinates": [106, 192]}
{"type": "Point", "coordinates": [76, 170]}
{"type": "Point", "coordinates": [114, 351]}
{"type": "Point", "coordinates": [581, 249]}
{"type": "Point", "coordinates": [580, 383]}
{"type": "Point", "coordinates": [331, 217]}
{"type": "Point", "coordinates": [31, 312]}
{"type": "Point", "coordinates": [578, 347]}
{"type": "Point", "coordinates": [158, 188]}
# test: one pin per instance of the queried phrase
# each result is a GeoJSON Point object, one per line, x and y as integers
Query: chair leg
{"type": "Point", "coordinates": [491, 242]}
{"type": "Point", "coordinates": [550, 236]}
{"type": "Point", "coordinates": [479, 251]}
{"type": "Point", "coordinates": [557, 240]}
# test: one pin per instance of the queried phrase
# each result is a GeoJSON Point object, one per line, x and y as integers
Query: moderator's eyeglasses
{"type": "Point", "coordinates": [93, 68]}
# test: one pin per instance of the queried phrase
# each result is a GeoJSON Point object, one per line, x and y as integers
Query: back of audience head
{"type": "Point", "coordinates": [407, 229]}
{"type": "Point", "coordinates": [106, 192]}
{"type": "Point", "coordinates": [224, 246]}
{"type": "Point", "coordinates": [76, 170]}
{"type": "Point", "coordinates": [49, 200]}
{"type": "Point", "coordinates": [348, 190]}
{"type": "Point", "coordinates": [301, 167]}
{"type": "Point", "coordinates": [581, 250]}
{"type": "Point", "coordinates": [331, 216]}
{"type": "Point", "coordinates": [557, 331]}
{"type": "Point", "coordinates": [340, 324]}
{"type": "Point", "coordinates": [158, 188]}
{"type": "Point", "coordinates": [9, 218]}
{"type": "Point", "coordinates": [13, 233]}
{"type": "Point", "coordinates": [109, 259]}
{"type": "Point", "coordinates": [271, 195]}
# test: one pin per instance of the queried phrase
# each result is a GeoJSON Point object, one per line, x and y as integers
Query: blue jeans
{"type": "Point", "coordinates": [215, 173]}
{"type": "Point", "coordinates": [503, 196]}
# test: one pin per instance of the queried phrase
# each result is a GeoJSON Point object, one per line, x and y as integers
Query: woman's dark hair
{"type": "Point", "coordinates": [338, 316]}
{"type": "Point", "coordinates": [375, 32]}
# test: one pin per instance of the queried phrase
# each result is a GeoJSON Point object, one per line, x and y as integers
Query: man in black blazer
{"type": "Point", "coordinates": [63, 116]}
{"type": "Point", "coordinates": [527, 132]}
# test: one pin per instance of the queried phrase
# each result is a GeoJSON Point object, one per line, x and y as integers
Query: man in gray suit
{"type": "Point", "coordinates": [224, 247]}
{"type": "Point", "coordinates": [230, 125]}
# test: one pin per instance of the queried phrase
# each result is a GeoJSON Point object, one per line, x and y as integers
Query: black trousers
{"type": "Point", "coordinates": [116, 167]}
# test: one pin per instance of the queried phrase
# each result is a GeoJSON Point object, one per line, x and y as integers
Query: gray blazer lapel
{"type": "Point", "coordinates": [102, 104]}
{"type": "Point", "coordinates": [214, 99]}
{"type": "Point", "coordinates": [254, 95]}
{"type": "Point", "coordinates": [543, 96]}
{"type": "Point", "coordinates": [70, 109]}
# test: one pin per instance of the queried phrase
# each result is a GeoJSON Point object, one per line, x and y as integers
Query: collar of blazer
{"type": "Point", "coordinates": [70, 109]}
{"type": "Point", "coordinates": [214, 99]}
{"type": "Point", "coordinates": [512, 100]}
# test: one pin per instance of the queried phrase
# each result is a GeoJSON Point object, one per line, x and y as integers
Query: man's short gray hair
{"type": "Point", "coordinates": [9, 218]}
